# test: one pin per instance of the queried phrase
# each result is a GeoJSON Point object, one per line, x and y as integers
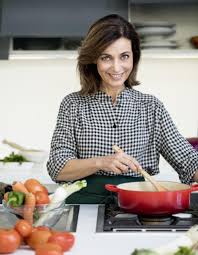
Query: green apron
{"type": "Point", "coordinates": [95, 192]}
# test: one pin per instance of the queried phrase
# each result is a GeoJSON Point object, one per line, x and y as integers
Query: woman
{"type": "Point", "coordinates": [109, 111]}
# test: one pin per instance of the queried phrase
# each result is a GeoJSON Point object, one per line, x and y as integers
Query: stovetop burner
{"type": "Point", "coordinates": [112, 219]}
{"type": "Point", "coordinates": [157, 220]}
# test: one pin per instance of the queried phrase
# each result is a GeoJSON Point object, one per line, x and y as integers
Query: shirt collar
{"type": "Point", "coordinates": [103, 97]}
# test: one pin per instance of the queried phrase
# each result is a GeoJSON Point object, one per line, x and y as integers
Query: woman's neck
{"type": "Point", "coordinates": [113, 92]}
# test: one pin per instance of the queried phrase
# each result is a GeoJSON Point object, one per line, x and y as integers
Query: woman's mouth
{"type": "Point", "coordinates": [116, 76]}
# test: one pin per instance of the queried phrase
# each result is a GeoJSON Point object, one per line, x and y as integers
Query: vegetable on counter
{"type": "Point", "coordinates": [19, 186]}
{"type": "Point", "coordinates": [144, 252]}
{"type": "Point", "coordinates": [29, 206]}
{"type": "Point", "coordinates": [185, 251]}
{"type": "Point", "coordinates": [187, 244]}
{"type": "Point", "coordinates": [14, 158]}
{"type": "Point", "coordinates": [10, 240]}
{"type": "Point", "coordinates": [30, 200]}
{"type": "Point", "coordinates": [33, 186]}
{"type": "Point", "coordinates": [42, 239]}
{"type": "Point", "coordinates": [15, 198]}
{"type": "Point", "coordinates": [59, 196]}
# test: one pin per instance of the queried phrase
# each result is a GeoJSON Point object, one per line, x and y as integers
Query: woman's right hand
{"type": "Point", "coordinates": [118, 163]}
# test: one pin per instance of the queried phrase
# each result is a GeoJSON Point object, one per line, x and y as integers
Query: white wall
{"type": "Point", "coordinates": [31, 91]}
{"type": "Point", "coordinates": [30, 94]}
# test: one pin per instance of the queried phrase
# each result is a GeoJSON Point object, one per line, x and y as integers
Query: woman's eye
{"type": "Point", "coordinates": [125, 56]}
{"type": "Point", "coordinates": [105, 58]}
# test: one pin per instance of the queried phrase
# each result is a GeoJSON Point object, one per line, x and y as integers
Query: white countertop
{"type": "Point", "coordinates": [88, 242]}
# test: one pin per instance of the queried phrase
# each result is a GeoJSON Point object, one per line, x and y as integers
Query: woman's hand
{"type": "Point", "coordinates": [118, 163]}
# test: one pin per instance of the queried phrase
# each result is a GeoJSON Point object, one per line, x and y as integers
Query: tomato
{"type": "Point", "coordinates": [64, 239]}
{"type": "Point", "coordinates": [38, 237]}
{"type": "Point", "coordinates": [41, 198]}
{"type": "Point", "coordinates": [41, 228]}
{"type": "Point", "coordinates": [45, 189]}
{"type": "Point", "coordinates": [49, 249]}
{"type": "Point", "coordinates": [10, 240]}
{"type": "Point", "coordinates": [32, 185]}
{"type": "Point", "coordinates": [23, 227]}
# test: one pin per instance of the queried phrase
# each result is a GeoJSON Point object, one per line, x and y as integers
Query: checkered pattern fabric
{"type": "Point", "coordinates": [88, 126]}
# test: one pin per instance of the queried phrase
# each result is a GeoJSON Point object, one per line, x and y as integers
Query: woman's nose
{"type": "Point", "coordinates": [116, 66]}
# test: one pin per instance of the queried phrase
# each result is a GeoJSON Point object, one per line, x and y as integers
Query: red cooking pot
{"type": "Point", "coordinates": [141, 197]}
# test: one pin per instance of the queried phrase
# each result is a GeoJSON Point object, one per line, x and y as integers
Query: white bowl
{"type": "Point", "coordinates": [37, 156]}
{"type": "Point", "coordinates": [15, 166]}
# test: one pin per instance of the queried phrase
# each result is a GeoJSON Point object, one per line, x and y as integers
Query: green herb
{"type": "Point", "coordinates": [14, 158]}
{"type": "Point", "coordinates": [143, 252]}
{"type": "Point", "coordinates": [183, 250]}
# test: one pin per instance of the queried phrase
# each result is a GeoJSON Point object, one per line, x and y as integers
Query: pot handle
{"type": "Point", "coordinates": [194, 187]}
{"type": "Point", "coordinates": [111, 187]}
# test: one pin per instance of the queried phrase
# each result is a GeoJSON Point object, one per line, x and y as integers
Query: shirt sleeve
{"type": "Point", "coordinates": [63, 146]}
{"type": "Point", "coordinates": [176, 149]}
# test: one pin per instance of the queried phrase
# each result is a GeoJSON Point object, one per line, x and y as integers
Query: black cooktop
{"type": "Point", "coordinates": [112, 219]}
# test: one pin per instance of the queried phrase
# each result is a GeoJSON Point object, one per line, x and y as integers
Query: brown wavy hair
{"type": "Point", "coordinates": [100, 35]}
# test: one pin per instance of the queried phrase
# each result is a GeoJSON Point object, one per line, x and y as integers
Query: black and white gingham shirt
{"type": "Point", "coordinates": [88, 126]}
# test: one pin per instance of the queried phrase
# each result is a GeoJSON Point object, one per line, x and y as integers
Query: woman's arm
{"type": "Point", "coordinates": [195, 178]}
{"type": "Point", "coordinates": [176, 149]}
{"type": "Point", "coordinates": [79, 168]}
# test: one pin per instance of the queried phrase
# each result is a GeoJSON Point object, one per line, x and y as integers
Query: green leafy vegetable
{"type": "Point", "coordinates": [16, 198]}
{"type": "Point", "coordinates": [144, 252]}
{"type": "Point", "coordinates": [14, 158]}
{"type": "Point", "coordinates": [183, 250]}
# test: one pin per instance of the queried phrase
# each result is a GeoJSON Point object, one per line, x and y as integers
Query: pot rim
{"type": "Point", "coordinates": [188, 187]}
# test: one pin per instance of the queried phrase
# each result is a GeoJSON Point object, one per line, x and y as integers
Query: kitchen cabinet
{"type": "Point", "coordinates": [51, 24]}
{"type": "Point", "coordinates": [181, 13]}
{"type": "Point", "coordinates": [4, 47]}
{"type": "Point", "coordinates": [42, 18]}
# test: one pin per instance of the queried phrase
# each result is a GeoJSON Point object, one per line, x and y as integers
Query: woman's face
{"type": "Point", "coordinates": [115, 64]}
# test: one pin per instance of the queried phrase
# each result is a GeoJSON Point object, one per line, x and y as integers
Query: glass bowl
{"type": "Point", "coordinates": [42, 216]}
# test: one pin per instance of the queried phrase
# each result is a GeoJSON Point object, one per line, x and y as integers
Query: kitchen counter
{"type": "Point", "coordinates": [88, 242]}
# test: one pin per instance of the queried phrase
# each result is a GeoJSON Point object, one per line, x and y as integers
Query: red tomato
{"type": "Point", "coordinates": [23, 227]}
{"type": "Point", "coordinates": [41, 198]}
{"type": "Point", "coordinates": [10, 240]}
{"type": "Point", "coordinates": [64, 239]}
{"type": "Point", "coordinates": [45, 189]}
{"type": "Point", "coordinates": [32, 185]}
{"type": "Point", "coordinates": [49, 249]}
{"type": "Point", "coordinates": [41, 228]}
{"type": "Point", "coordinates": [38, 237]}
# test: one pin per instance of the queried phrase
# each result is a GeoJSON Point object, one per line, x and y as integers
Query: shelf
{"type": "Point", "coordinates": [172, 54]}
{"type": "Point", "coordinates": [72, 55]}
{"type": "Point", "coordinates": [48, 54]}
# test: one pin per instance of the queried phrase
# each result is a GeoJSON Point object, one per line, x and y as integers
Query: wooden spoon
{"type": "Point", "coordinates": [157, 186]}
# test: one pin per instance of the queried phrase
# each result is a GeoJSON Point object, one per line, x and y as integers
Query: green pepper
{"type": "Point", "coordinates": [16, 198]}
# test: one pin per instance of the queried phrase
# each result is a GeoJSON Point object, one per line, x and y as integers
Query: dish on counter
{"type": "Point", "coordinates": [37, 156]}
{"type": "Point", "coordinates": [49, 217]}
{"type": "Point", "coordinates": [15, 165]}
